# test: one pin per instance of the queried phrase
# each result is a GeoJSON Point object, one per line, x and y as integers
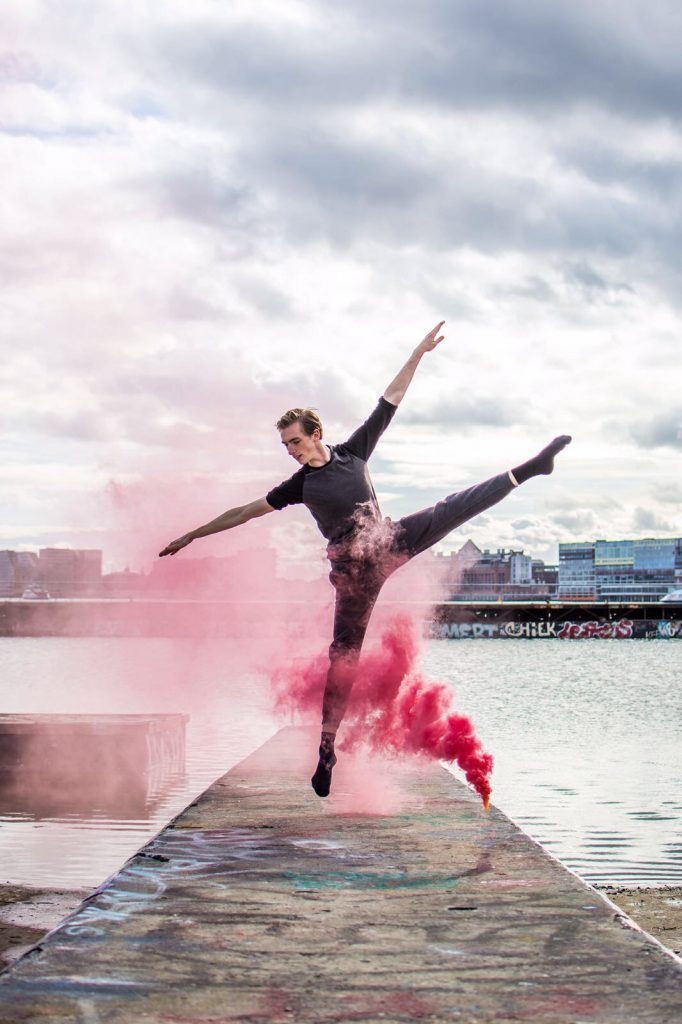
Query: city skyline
{"type": "Point", "coordinates": [215, 213]}
{"type": "Point", "coordinates": [628, 569]}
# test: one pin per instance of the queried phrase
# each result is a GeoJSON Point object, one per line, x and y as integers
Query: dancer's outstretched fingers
{"type": "Point", "coordinates": [432, 339]}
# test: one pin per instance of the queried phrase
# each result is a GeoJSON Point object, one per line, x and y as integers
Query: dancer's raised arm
{"type": "Point", "coordinates": [399, 385]}
{"type": "Point", "coordinates": [233, 517]}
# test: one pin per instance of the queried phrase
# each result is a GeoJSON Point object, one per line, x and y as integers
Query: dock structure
{"type": "Point", "coordinates": [548, 618]}
{"type": "Point", "coordinates": [121, 765]}
{"type": "Point", "coordinates": [262, 903]}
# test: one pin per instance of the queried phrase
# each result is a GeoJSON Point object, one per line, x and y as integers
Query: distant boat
{"type": "Point", "coordinates": [674, 597]}
{"type": "Point", "coordinates": [35, 593]}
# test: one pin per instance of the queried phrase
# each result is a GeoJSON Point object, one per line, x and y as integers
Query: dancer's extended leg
{"type": "Point", "coordinates": [421, 530]}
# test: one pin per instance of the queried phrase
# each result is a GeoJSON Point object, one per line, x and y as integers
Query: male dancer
{"type": "Point", "coordinates": [333, 482]}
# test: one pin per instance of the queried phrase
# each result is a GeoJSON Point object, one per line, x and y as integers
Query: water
{"type": "Point", "coordinates": [212, 681]}
{"type": "Point", "coordinates": [586, 737]}
{"type": "Point", "coordinates": [587, 741]}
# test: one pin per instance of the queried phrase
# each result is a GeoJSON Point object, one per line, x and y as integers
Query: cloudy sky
{"type": "Point", "coordinates": [213, 211]}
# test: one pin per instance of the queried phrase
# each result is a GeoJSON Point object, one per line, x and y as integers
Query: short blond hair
{"type": "Point", "coordinates": [308, 418]}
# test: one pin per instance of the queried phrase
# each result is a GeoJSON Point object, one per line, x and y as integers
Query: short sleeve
{"type": "Point", "coordinates": [363, 441]}
{"type": "Point", "coordinates": [289, 492]}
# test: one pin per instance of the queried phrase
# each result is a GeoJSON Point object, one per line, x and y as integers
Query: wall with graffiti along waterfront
{"type": "Point", "coordinates": [615, 629]}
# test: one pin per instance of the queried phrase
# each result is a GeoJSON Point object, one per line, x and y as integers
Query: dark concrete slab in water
{"type": "Point", "coordinates": [263, 903]}
{"type": "Point", "coordinates": [118, 765]}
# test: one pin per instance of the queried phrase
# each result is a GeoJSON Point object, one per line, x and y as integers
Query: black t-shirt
{"type": "Point", "coordinates": [334, 492]}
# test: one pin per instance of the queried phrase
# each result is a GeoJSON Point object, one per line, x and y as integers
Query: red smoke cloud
{"type": "Point", "coordinates": [392, 708]}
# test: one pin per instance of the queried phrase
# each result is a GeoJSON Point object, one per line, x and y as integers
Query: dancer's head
{"type": "Point", "coordinates": [301, 434]}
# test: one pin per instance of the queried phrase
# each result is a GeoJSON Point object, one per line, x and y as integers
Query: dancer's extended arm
{"type": "Point", "coordinates": [233, 517]}
{"type": "Point", "coordinates": [399, 385]}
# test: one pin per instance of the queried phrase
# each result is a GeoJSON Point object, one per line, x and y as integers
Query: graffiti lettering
{"type": "Point", "coordinates": [539, 630]}
{"type": "Point", "coordinates": [464, 630]}
{"type": "Point", "coordinates": [669, 630]}
{"type": "Point", "coordinates": [620, 630]}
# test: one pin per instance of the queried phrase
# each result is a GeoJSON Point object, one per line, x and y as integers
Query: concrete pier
{"type": "Point", "coordinates": [121, 765]}
{"type": "Point", "coordinates": [262, 903]}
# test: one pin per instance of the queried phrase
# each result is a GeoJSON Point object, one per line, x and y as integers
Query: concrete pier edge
{"type": "Point", "coordinates": [618, 912]}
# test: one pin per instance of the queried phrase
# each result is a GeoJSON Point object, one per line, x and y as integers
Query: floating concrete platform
{"type": "Point", "coordinates": [120, 765]}
{"type": "Point", "coordinates": [262, 903]}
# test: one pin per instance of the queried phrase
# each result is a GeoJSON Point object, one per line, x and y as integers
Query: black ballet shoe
{"type": "Point", "coordinates": [322, 779]}
{"type": "Point", "coordinates": [541, 464]}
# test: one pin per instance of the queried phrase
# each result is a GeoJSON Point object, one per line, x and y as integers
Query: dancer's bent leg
{"type": "Point", "coordinates": [356, 594]}
{"type": "Point", "coordinates": [340, 678]}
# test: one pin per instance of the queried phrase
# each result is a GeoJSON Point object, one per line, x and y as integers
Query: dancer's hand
{"type": "Point", "coordinates": [432, 339]}
{"type": "Point", "coordinates": [176, 545]}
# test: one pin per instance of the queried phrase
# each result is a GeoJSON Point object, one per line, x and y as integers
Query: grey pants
{"type": "Point", "coordinates": [358, 580]}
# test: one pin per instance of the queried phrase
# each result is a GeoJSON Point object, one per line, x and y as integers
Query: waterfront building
{"type": "Point", "coordinates": [620, 570]}
{"type": "Point", "coordinates": [501, 574]}
{"type": "Point", "coordinates": [124, 584]}
{"type": "Point", "coordinates": [659, 560]}
{"type": "Point", "coordinates": [520, 569]}
{"type": "Point", "coordinates": [487, 578]}
{"type": "Point", "coordinates": [69, 572]}
{"type": "Point", "coordinates": [18, 570]}
{"type": "Point", "coordinates": [451, 566]}
{"type": "Point", "coordinates": [546, 574]}
{"type": "Point", "coordinates": [576, 572]}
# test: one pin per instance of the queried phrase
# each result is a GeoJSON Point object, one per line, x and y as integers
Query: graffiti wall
{"type": "Point", "coordinates": [616, 629]}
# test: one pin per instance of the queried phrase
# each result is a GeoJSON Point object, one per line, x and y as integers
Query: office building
{"type": "Point", "coordinates": [620, 570]}
{"type": "Point", "coordinates": [576, 572]}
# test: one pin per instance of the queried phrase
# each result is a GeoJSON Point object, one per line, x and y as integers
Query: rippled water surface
{"type": "Point", "coordinates": [587, 741]}
{"type": "Point", "coordinates": [586, 737]}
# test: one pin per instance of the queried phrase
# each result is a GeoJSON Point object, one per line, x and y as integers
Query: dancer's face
{"type": "Point", "coordinates": [301, 446]}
